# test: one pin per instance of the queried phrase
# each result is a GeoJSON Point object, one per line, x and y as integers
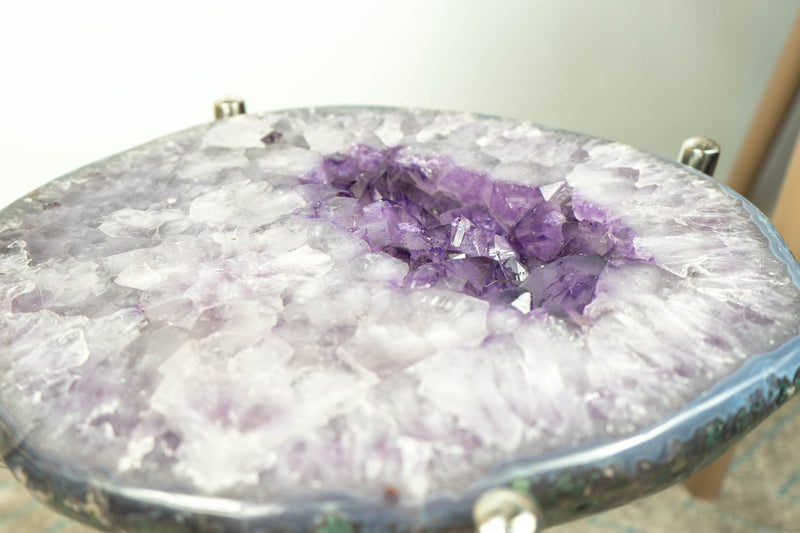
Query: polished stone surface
{"type": "Point", "coordinates": [380, 303]}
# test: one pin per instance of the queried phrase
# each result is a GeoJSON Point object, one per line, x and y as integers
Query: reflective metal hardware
{"type": "Point", "coordinates": [505, 511]}
{"type": "Point", "coordinates": [700, 153]}
{"type": "Point", "coordinates": [228, 108]}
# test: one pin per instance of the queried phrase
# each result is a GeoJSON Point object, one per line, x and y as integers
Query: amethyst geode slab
{"type": "Point", "coordinates": [362, 318]}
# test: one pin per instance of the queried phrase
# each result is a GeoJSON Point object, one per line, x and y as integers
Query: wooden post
{"type": "Point", "coordinates": [786, 216]}
{"type": "Point", "coordinates": [707, 483]}
{"type": "Point", "coordinates": [772, 111]}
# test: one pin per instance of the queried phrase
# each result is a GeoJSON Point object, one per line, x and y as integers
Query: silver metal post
{"type": "Point", "coordinates": [700, 153]}
{"type": "Point", "coordinates": [228, 107]}
{"type": "Point", "coordinates": [505, 511]}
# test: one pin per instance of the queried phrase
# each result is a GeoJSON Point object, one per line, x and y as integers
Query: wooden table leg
{"type": "Point", "coordinates": [707, 483]}
{"type": "Point", "coordinates": [786, 216]}
{"type": "Point", "coordinates": [769, 118]}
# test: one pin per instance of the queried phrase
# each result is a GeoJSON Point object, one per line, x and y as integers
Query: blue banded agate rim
{"type": "Point", "coordinates": [568, 481]}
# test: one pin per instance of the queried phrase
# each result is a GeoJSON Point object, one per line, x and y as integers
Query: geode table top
{"type": "Point", "coordinates": [356, 317]}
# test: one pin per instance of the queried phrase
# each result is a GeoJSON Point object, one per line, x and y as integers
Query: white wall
{"type": "Point", "coordinates": [81, 80]}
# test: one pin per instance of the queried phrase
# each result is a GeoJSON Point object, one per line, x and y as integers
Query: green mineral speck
{"type": "Point", "coordinates": [784, 393]}
{"type": "Point", "coordinates": [743, 421]}
{"type": "Point", "coordinates": [758, 403]}
{"type": "Point", "coordinates": [521, 485]}
{"type": "Point", "coordinates": [714, 433]}
{"type": "Point", "coordinates": [565, 484]}
{"type": "Point", "coordinates": [59, 503]}
{"type": "Point", "coordinates": [335, 524]}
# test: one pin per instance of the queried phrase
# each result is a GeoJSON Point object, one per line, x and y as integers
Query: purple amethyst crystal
{"type": "Point", "coordinates": [461, 230]}
{"type": "Point", "coordinates": [282, 306]}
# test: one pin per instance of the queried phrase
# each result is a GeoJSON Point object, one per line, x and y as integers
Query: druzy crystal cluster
{"type": "Point", "coordinates": [458, 229]}
{"type": "Point", "coordinates": [369, 302]}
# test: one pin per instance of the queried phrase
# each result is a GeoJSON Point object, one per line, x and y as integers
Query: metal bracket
{"type": "Point", "coordinates": [506, 510]}
{"type": "Point", "coordinates": [229, 107]}
{"type": "Point", "coordinates": [700, 153]}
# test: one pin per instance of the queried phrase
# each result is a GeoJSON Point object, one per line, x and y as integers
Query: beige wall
{"type": "Point", "coordinates": [81, 80]}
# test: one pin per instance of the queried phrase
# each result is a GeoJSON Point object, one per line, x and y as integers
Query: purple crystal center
{"type": "Point", "coordinates": [461, 230]}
